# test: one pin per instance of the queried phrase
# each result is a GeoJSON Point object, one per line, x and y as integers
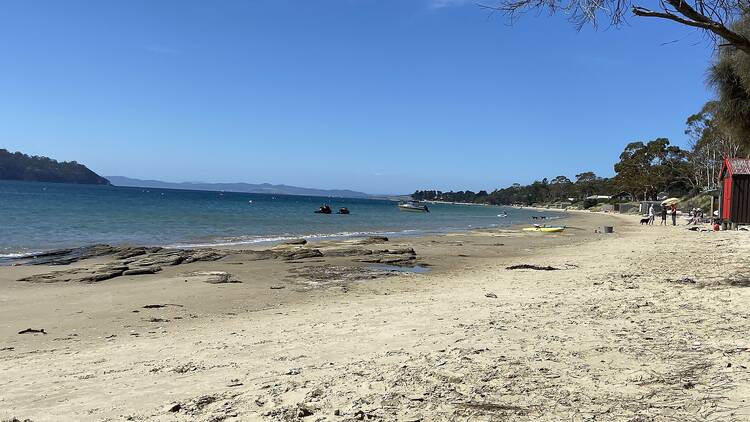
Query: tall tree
{"type": "Point", "coordinates": [712, 16]}
{"type": "Point", "coordinates": [730, 76]}
{"type": "Point", "coordinates": [646, 169]}
{"type": "Point", "coordinates": [709, 144]}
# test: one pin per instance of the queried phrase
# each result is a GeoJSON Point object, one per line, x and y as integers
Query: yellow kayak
{"type": "Point", "coordinates": [544, 229]}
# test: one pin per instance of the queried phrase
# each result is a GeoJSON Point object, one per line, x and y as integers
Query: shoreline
{"type": "Point", "coordinates": [271, 240]}
{"type": "Point", "coordinates": [328, 337]}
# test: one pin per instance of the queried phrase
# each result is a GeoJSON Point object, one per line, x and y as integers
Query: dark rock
{"type": "Point", "coordinates": [204, 256]}
{"type": "Point", "coordinates": [259, 255]}
{"type": "Point", "coordinates": [132, 251]}
{"type": "Point", "coordinates": [398, 260]}
{"type": "Point", "coordinates": [303, 411]}
{"type": "Point", "coordinates": [347, 252]}
{"type": "Point", "coordinates": [142, 270]}
{"type": "Point", "coordinates": [373, 239]}
{"type": "Point", "coordinates": [301, 253]}
{"type": "Point", "coordinates": [490, 295]}
{"type": "Point", "coordinates": [101, 276]}
{"type": "Point", "coordinates": [295, 242]}
{"type": "Point", "coordinates": [401, 251]}
{"type": "Point", "coordinates": [65, 256]}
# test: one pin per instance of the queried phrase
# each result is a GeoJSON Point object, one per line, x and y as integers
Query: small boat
{"type": "Point", "coordinates": [324, 209]}
{"type": "Point", "coordinates": [413, 206]}
{"type": "Point", "coordinates": [343, 211]}
{"type": "Point", "coordinates": [544, 229]}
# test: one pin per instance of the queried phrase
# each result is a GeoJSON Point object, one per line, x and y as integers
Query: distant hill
{"type": "Point", "coordinates": [19, 166]}
{"type": "Point", "coordinates": [237, 187]}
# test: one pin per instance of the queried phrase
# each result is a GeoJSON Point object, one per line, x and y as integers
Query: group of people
{"type": "Point", "coordinates": [696, 216]}
{"type": "Point", "coordinates": [672, 210]}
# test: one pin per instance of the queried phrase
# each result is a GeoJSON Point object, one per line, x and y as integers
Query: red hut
{"type": "Point", "coordinates": [735, 191]}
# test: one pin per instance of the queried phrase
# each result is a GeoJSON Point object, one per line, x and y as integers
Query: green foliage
{"type": "Point", "coordinates": [646, 169]}
{"type": "Point", "coordinates": [588, 203]}
{"type": "Point", "coordinates": [730, 76]}
{"type": "Point", "coordinates": [18, 166]}
{"type": "Point", "coordinates": [559, 189]}
{"type": "Point", "coordinates": [710, 144]}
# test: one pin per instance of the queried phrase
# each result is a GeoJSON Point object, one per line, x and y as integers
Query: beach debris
{"type": "Point", "coordinates": [157, 320]}
{"type": "Point", "coordinates": [7, 349]}
{"type": "Point", "coordinates": [235, 382]}
{"type": "Point", "coordinates": [277, 287]}
{"type": "Point", "coordinates": [200, 404]}
{"type": "Point", "coordinates": [304, 411]}
{"type": "Point", "coordinates": [32, 331]}
{"type": "Point", "coordinates": [187, 367]}
{"type": "Point", "coordinates": [290, 412]}
{"type": "Point", "coordinates": [490, 295]}
{"type": "Point", "coordinates": [531, 267]}
{"type": "Point", "coordinates": [684, 280]}
{"type": "Point", "coordinates": [156, 306]}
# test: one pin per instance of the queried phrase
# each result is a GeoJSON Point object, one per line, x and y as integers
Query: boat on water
{"type": "Point", "coordinates": [413, 206]}
{"type": "Point", "coordinates": [544, 229]}
{"type": "Point", "coordinates": [324, 209]}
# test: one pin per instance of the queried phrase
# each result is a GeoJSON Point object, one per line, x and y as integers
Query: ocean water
{"type": "Point", "coordinates": [42, 216]}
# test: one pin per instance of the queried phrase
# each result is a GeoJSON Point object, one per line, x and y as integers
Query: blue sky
{"type": "Point", "coordinates": [383, 96]}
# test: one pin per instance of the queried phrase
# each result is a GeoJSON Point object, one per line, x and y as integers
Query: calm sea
{"type": "Point", "coordinates": [42, 216]}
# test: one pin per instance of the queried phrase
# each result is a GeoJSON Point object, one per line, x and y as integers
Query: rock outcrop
{"type": "Point", "coordinates": [128, 261]}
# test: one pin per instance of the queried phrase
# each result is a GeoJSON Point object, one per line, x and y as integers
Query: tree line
{"type": "Point", "coordinates": [644, 170]}
{"type": "Point", "coordinates": [19, 166]}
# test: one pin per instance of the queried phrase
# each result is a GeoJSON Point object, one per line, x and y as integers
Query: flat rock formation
{"type": "Point", "coordinates": [126, 261]}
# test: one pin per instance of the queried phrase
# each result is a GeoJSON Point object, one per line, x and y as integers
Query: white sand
{"type": "Point", "coordinates": [607, 337]}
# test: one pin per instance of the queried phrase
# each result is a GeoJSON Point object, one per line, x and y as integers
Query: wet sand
{"type": "Point", "coordinates": [639, 325]}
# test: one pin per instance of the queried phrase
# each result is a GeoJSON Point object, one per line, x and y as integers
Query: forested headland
{"type": "Point", "coordinates": [19, 166]}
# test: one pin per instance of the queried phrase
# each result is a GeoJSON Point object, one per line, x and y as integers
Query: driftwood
{"type": "Point", "coordinates": [531, 267]}
{"type": "Point", "coordinates": [32, 331]}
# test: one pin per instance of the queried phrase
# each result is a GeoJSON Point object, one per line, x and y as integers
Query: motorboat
{"type": "Point", "coordinates": [324, 209]}
{"type": "Point", "coordinates": [413, 206]}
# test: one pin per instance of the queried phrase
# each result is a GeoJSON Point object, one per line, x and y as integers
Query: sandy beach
{"type": "Point", "coordinates": [648, 323]}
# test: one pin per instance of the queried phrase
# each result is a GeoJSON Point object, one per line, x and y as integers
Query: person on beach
{"type": "Point", "coordinates": [663, 215]}
{"type": "Point", "coordinates": [651, 215]}
{"type": "Point", "coordinates": [674, 214]}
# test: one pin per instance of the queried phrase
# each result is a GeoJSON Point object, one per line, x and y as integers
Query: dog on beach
{"type": "Point", "coordinates": [645, 220]}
